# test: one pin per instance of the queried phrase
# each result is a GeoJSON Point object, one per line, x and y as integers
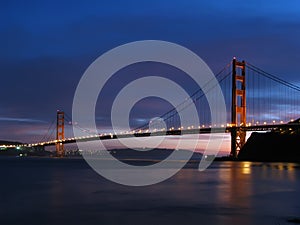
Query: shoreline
{"type": "Point", "coordinates": [145, 160]}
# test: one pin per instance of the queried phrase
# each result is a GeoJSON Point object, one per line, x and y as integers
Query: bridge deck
{"type": "Point", "coordinates": [219, 130]}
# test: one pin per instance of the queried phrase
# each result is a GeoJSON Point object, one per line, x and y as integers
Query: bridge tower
{"type": "Point", "coordinates": [60, 133]}
{"type": "Point", "coordinates": [238, 110]}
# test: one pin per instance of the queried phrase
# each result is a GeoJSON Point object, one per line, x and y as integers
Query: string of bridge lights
{"type": "Point", "coordinates": [115, 134]}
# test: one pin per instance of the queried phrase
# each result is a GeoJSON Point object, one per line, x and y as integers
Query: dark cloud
{"type": "Point", "coordinates": [25, 120]}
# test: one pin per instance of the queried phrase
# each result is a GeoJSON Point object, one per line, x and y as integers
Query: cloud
{"type": "Point", "coordinates": [22, 120]}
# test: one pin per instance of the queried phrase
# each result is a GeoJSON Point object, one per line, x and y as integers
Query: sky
{"type": "Point", "coordinates": [47, 45]}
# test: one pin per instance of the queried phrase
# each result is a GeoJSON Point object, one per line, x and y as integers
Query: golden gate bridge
{"type": "Point", "coordinates": [255, 101]}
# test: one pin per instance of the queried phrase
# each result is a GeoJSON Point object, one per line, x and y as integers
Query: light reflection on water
{"type": "Point", "coordinates": [67, 191]}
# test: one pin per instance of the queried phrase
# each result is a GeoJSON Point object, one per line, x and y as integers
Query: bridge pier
{"type": "Point", "coordinates": [238, 110]}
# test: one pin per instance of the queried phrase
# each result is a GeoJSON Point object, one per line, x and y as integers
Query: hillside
{"type": "Point", "coordinates": [271, 147]}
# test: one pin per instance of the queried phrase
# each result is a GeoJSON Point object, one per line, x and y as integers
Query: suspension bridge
{"type": "Point", "coordinates": [255, 101]}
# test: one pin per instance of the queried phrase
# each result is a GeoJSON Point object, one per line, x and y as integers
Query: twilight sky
{"type": "Point", "coordinates": [47, 45]}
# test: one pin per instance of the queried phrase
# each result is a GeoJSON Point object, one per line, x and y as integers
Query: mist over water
{"type": "Point", "coordinates": [67, 191]}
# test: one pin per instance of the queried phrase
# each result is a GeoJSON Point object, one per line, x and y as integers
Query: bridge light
{"type": "Point", "coordinates": [265, 123]}
{"type": "Point", "coordinates": [203, 125]}
{"type": "Point", "coordinates": [222, 125]}
{"type": "Point", "coordinates": [281, 122]}
{"type": "Point", "coordinates": [292, 120]}
{"type": "Point", "coordinates": [274, 121]}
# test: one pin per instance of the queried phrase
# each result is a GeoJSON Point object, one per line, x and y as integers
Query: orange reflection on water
{"type": "Point", "coordinates": [246, 167]}
{"type": "Point", "coordinates": [279, 171]}
{"type": "Point", "coordinates": [241, 180]}
{"type": "Point", "coordinates": [235, 184]}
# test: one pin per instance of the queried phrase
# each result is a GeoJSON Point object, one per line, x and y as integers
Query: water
{"type": "Point", "coordinates": [66, 191]}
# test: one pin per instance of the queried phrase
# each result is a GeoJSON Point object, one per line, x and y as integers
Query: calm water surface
{"type": "Point", "coordinates": [67, 191]}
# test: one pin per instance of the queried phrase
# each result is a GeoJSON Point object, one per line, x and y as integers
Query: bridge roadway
{"type": "Point", "coordinates": [280, 127]}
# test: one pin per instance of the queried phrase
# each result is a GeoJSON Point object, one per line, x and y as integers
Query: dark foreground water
{"type": "Point", "coordinates": [67, 191]}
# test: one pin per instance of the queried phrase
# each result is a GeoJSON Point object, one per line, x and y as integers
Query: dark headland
{"type": "Point", "coordinates": [271, 147]}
